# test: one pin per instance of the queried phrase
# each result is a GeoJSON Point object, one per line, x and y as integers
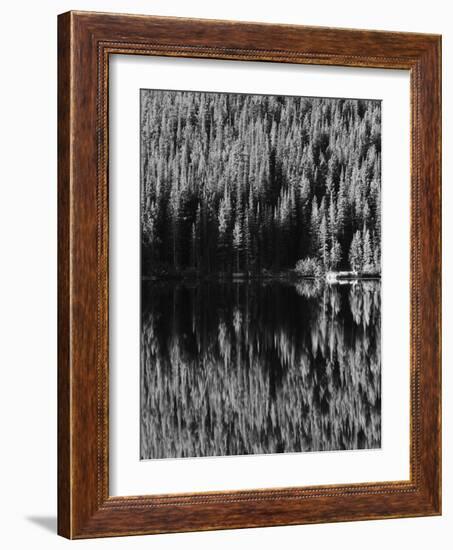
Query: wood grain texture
{"type": "Point", "coordinates": [85, 42]}
{"type": "Point", "coordinates": [64, 369]}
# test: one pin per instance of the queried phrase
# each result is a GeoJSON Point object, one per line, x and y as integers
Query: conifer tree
{"type": "Point", "coordinates": [237, 243]}
{"type": "Point", "coordinates": [355, 252]}
{"type": "Point", "coordinates": [368, 259]}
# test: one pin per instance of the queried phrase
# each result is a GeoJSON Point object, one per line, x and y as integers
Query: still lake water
{"type": "Point", "coordinates": [252, 367]}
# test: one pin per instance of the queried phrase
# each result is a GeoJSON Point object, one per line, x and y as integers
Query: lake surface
{"type": "Point", "coordinates": [252, 367]}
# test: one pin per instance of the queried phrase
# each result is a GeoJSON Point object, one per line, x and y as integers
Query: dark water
{"type": "Point", "coordinates": [234, 368]}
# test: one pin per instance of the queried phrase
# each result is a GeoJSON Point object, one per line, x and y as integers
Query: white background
{"type": "Point", "coordinates": [28, 271]}
{"type": "Point", "coordinates": [128, 475]}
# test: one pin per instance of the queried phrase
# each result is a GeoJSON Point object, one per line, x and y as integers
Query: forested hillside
{"type": "Point", "coordinates": [249, 183]}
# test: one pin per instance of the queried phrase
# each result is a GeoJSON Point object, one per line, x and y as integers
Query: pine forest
{"type": "Point", "coordinates": [259, 185]}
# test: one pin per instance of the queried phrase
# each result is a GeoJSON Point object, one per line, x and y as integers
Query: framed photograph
{"type": "Point", "coordinates": [249, 275]}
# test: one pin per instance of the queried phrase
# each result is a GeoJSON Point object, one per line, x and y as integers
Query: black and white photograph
{"type": "Point", "coordinates": [260, 274]}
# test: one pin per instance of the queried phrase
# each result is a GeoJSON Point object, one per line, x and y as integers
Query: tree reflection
{"type": "Point", "coordinates": [263, 367]}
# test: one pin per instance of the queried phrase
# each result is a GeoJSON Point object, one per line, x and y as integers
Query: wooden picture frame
{"type": "Point", "coordinates": [85, 42]}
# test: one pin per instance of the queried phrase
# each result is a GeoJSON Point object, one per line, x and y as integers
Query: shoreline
{"type": "Point", "coordinates": [244, 276]}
